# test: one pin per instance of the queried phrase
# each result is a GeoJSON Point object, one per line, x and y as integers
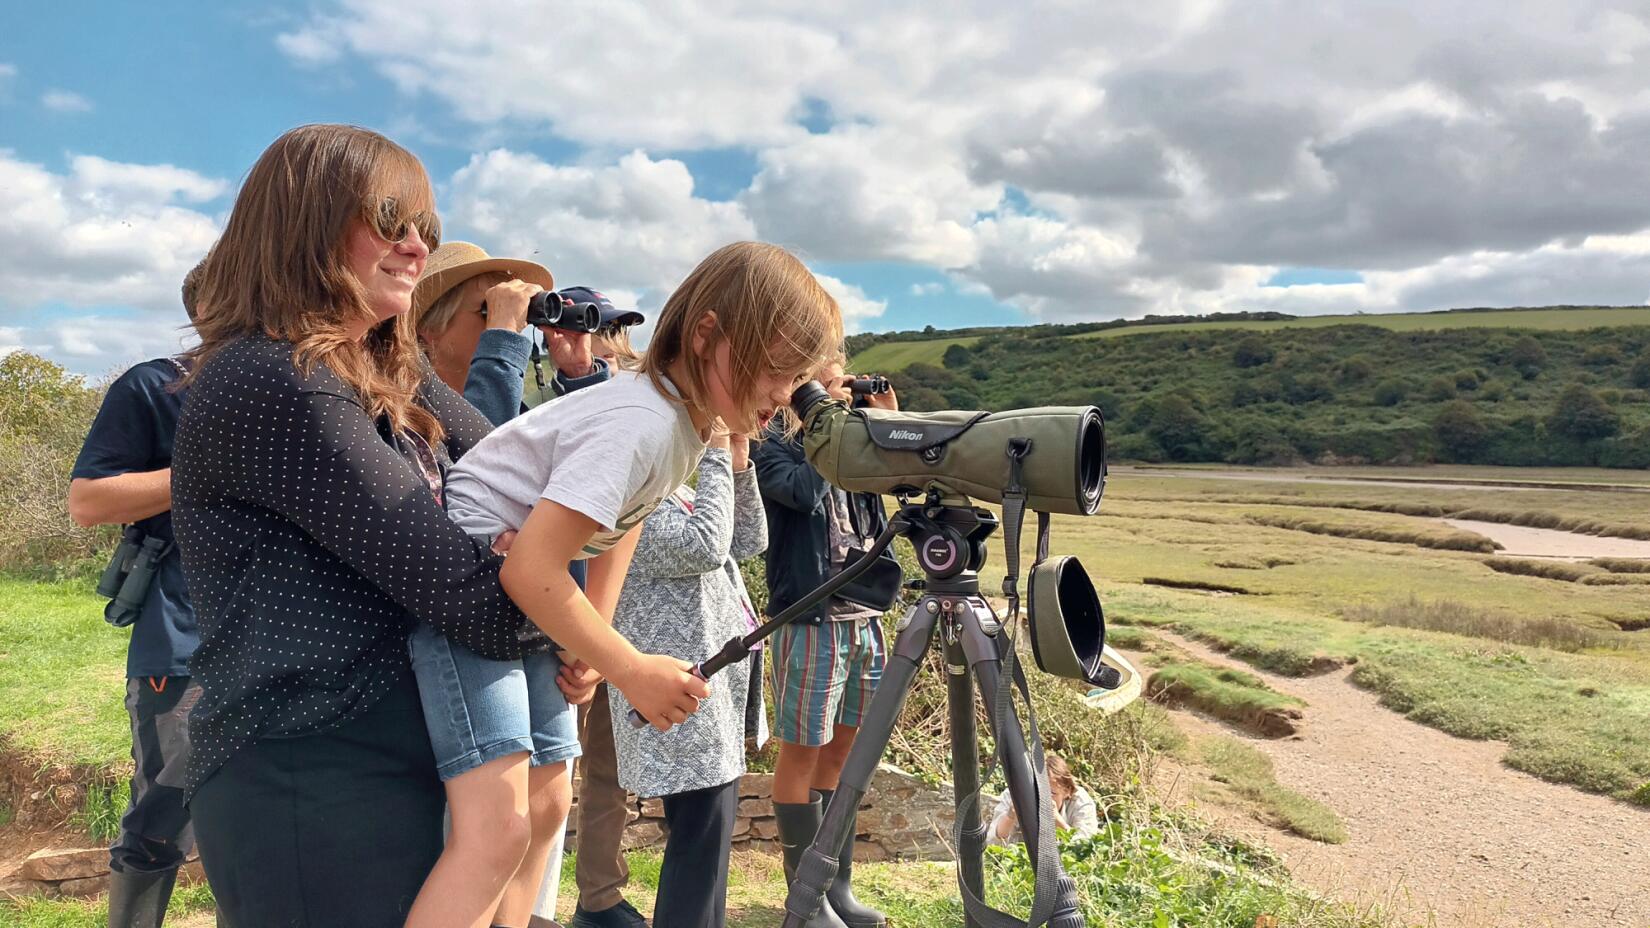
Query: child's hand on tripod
{"type": "Point", "coordinates": [663, 689]}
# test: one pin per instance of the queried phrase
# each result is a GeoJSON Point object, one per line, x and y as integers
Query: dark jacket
{"type": "Point", "coordinates": [794, 496]}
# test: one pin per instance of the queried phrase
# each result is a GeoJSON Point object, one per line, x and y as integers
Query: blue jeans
{"type": "Point", "coordinates": [479, 710]}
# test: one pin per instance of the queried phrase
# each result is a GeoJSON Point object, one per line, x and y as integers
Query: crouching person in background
{"type": "Point", "coordinates": [124, 476]}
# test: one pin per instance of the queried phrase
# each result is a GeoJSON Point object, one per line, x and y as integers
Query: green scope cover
{"type": "Point", "coordinates": [883, 451]}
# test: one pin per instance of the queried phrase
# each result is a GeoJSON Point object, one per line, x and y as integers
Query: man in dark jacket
{"type": "Point", "coordinates": [123, 476]}
{"type": "Point", "coordinates": [826, 665]}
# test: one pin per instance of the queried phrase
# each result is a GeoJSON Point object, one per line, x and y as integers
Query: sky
{"type": "Point", "coordinates": [946, 164]}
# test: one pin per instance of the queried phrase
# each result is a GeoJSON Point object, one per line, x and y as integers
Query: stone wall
{"type": "Point", "coordinates": [901, 818]}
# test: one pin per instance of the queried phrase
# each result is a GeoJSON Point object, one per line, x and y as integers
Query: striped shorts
{"type": "Point", "coordinates": [824, 675]}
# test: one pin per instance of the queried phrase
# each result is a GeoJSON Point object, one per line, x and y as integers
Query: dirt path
{"type": "Point", "coordinates": [1437, 823]}
{"type": "Point", "coordinates": [1522, 541]}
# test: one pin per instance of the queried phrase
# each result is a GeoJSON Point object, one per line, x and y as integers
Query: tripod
{"type": "Point", "coordinates": [949, 537]}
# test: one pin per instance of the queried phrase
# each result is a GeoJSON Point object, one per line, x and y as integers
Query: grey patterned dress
{"type": "Point", "coordinates": [684, 597]}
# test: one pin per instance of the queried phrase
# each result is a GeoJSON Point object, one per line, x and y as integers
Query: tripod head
{"type": "Point", "coordinates": [948, 533]}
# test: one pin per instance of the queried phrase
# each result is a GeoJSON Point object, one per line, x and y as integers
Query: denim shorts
{"type": "Point", "coordinates": [479, 710]}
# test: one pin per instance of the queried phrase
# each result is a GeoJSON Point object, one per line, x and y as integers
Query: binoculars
{"type": "Point", "coordinates": [549, 308]}
{"type": "Point", "coordinates": [869, 386]}
{"type": "Point", "coordinates": [130, 573]}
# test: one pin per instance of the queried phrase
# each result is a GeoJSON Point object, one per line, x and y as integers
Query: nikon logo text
{"type": "Point", "coordinates": [904, 435]}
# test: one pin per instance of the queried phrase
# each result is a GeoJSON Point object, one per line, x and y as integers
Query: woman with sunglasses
{"type": "Point", "coordinates": [307, 481]}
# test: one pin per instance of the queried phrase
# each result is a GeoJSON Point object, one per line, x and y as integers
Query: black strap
{"type": "Point", "coordinates": [1045, 855]}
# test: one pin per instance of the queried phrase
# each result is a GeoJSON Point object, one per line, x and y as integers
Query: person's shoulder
{"type": "Point", "coordinates": [147, 378]}
{"type": "Point", "coordinates": [267, 366]}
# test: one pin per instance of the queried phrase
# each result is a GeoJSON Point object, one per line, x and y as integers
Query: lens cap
{"type": "Point", "coordinates": [1068, 626]}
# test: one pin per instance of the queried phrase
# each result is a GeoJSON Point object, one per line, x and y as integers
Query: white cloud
{"type": "Point", "coordinates": [65, 101]}
{"type": "Point", "coordinates": [856, 307]}
{"type": "Point", "coordinates": [931, 288]}
{"type": "Point", "coordinates": [634, 225]}
{"type": "Point", "coordinates": [310, 46]}
{"type": "Point", "coordinates": [103, 234]}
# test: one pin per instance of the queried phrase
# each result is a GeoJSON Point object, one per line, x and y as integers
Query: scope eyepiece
{"type": "Point", "coordinates": [808, 398]}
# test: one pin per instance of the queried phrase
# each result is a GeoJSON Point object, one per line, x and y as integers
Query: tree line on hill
{"type": "Point", "coordinates": [1347, 393]}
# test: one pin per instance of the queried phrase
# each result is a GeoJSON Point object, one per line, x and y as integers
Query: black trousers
{"type": "Point", "coordinates": [335, 829]}
{"type": "Point", "coordinates": [154, 830]}
{"type": "Point", "coordinates": [693, 880]}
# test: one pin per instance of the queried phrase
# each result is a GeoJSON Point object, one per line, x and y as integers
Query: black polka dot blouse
{"type": "Point", "coordinates": [312, 545]}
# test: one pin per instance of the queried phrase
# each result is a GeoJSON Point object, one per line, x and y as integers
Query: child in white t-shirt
{"type": "Point", "coordinates": [573, 478]}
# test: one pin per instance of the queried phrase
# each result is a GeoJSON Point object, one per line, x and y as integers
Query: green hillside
{"type": "Point", "coordinates": [1552, 319]}
{"type": "Point", "coordinates": [1457, 387]}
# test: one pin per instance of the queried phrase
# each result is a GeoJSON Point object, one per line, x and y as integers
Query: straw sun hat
{"type": "Point", "coordinates": [455, 262]}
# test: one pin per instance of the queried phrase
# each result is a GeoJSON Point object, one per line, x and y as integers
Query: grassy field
{"type": "Point", "coordinates": [62, 674]}
{"type": "Point", "coordinates": [893, 356]}
{"type": "Point", "coordinates": [1442, 637]}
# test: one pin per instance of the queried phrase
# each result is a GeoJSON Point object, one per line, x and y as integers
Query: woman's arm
{"type": "Point", "coordinates": [681, 544]}
{"type": "Point", "coordinates": [317, 460]}
{"type": "Point", "coordinates": [495, 381]}
{"type": "Point", "coordinates": [659, 687]}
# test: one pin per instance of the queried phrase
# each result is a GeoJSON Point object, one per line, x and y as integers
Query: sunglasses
{"type": "Point", "coordinates": [392, 226]}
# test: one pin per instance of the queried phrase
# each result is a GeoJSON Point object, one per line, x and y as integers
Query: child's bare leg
{"type": "Point", "coordinates": [491, 832]}
{"type": "Point", "coordinates": [549, 796]}
{"type": "Point", "coordinates": [832, 755]}
{"type": "Point", "coordinates": [794, 771]}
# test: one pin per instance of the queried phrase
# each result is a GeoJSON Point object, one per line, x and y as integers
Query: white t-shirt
{"type": "Point", "coordinates": [613, 452]}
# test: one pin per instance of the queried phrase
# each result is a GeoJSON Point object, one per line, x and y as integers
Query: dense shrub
{"type": "Point", "coordinates": [44, 415]}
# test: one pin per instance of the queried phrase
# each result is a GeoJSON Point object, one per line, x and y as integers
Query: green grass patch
{"type": "Point", "coordinates": [1250, 776]}
{"type": "Point", "coordinates": [189, 903]}
{"type": "Point", "coordinates": [1152, 870]}
{"type": "Point", "coordinates": [62, 676]}
{"type": "Point", "coordinates": [896, 356]}
{"type": "Point", "coordinates": [1495, 625]}
{"type": "Point", "coordinates": [1225, 693]}
{"type": "Point", "coordinates": [100, 811]}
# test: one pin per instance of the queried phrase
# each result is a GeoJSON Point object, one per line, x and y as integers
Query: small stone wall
{"type": "Point", "coordinates": [900, 818]}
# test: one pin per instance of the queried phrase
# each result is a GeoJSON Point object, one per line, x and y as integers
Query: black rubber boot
{"type": "Point", "coordinates": [854, 914]}
{"type": "Point", "coordinates": [798, 823]}
{"type": "Point", "coordinates": [138, 900]}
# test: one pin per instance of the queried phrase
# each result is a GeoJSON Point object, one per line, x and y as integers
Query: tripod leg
{"type": "Point", "coordinates": [965, 772]}
{"type": "Point", "coordinates": [1023, 785]}
{"type": "Point", "coordinates": [818, 866]}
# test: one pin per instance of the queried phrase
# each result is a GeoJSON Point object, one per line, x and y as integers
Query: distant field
{"type": "Point", "coordinates": [893, 356]}
{"type": "Point", "coordinates": [1546, 319]}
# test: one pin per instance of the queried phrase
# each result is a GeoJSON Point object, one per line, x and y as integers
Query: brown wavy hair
{"type": "Point", "coordinates": [775, 316]}
{"type": "Point", "coordinates": [280, 269]}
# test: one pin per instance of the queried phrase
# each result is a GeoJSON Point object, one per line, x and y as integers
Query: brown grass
{"type": "Point", "coordinates": [1548, 570]}
{"type": "Point", "coordinates": [1622, 565]}
{"type": "Point", "coordinates": [1428, 537]}
{"type": "Point", "coordinates": [1461, 619]}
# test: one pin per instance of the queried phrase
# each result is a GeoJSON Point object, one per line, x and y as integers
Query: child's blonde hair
{"type": "Point", "coordinates": [616, 338]}
{"type": "Point", "coordinates": [775, 316]}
